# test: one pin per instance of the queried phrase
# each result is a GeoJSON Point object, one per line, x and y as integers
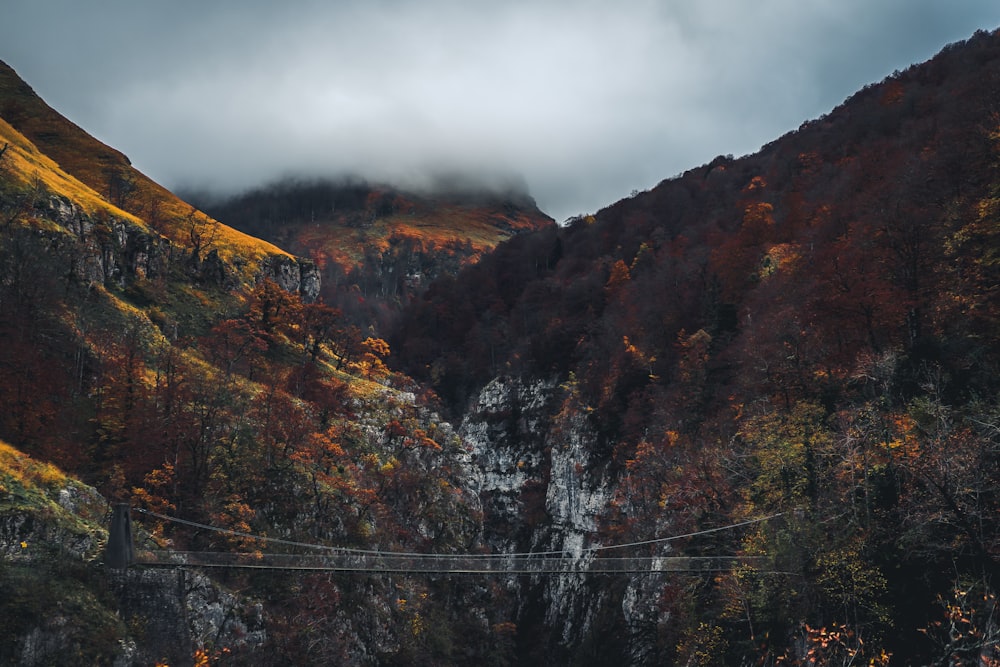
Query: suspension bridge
{"type": "Point", "coordinates": [605, 559]}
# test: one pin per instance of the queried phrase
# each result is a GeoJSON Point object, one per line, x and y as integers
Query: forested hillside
{"type": "Point", "coordinates": [811, 330]}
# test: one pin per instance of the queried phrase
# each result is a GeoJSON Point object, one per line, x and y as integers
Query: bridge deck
{"type": "Point", "coordinates": [435, 563]}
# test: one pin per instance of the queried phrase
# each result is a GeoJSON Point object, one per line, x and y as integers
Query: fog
{"type": "Point", "coordinates": [581, 102]}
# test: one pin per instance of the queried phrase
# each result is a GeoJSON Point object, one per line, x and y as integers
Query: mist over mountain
{"type": "Point", "coordinates": [587, 102]}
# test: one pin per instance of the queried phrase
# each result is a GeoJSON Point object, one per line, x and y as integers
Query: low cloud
{"type": "Point", "coordinates": [584, 101]}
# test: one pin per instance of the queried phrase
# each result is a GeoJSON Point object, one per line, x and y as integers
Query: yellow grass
{"type": "Point", "coordinates": [27, 165]}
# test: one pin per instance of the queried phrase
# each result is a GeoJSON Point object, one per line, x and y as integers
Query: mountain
{"type": "Point", "coordinates": [808, 333]}
{"type": "Point", "coordinates": [377, 247]}
{"type": "Point", "coordinates": [777, 373]}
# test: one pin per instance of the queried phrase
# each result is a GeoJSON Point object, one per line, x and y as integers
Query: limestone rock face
{"type": "Point", "coordinates": [545, 487]}
{"type": "Point", "coordinates": [542, 489]}
{"type": "Point", "coordinates": [107, 251]}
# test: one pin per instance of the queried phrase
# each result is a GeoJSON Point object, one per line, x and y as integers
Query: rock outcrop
{"type": "Point", "coordinates": [296, 275]}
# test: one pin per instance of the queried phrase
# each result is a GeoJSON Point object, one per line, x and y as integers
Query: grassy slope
{"type": "Point", "coordinates": [26, 164]}
{"type": "Point", "coordinates": [85, 158]}
{"type": "Point", "coordinates": [42, 490]}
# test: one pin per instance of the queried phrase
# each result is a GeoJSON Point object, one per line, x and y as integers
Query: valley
{"type": "Point", "coordinates": [786, 360]}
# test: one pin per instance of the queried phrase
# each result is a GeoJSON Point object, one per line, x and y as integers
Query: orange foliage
{"type": "Point", "coordinates": [758, 219]}
{"type": "Point", "coordinates": [756, 184]}
{"type": "Point", "coordinates": [619, 276]}
{"type": "Point", "coordinates": [836, 645]}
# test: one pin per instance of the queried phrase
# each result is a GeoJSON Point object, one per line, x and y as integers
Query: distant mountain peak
{"type": "Point", "coordinates": [379, 242]}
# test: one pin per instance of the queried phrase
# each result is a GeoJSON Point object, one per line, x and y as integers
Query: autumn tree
{"type": "Point", "coordinates": [371, 364]}
{"type": "Point", "coordinates": [321, 324]}
{"type": "Point", "coordinates": [619, 276]}
{"type": "Point", "coordinates": [235, 344]}
{"type": "Point", "coordinates": [965, 631]}
{"type": "Point", "coordinates": [275, 312]}
{"type": "Point", "coordinates": [953, 469]}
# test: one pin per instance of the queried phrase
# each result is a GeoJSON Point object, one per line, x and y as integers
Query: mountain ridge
{"type": "Point", "coordinates": [110, 174]}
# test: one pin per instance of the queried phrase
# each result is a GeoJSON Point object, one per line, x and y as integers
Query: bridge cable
{"type": "Point", "coordinates": [414, 554]}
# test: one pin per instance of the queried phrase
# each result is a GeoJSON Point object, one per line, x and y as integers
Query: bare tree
{"type": "Point", "coordinates": [122, 186]}
{"type": "Point", "coordinates": [202, 232]}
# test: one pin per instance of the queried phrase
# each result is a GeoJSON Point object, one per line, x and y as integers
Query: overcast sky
{"type": "Point", "coordinates": [584, 101]}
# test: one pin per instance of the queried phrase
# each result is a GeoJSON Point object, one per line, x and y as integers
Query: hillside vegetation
{"type": "Point", "coordinates": [811, 330]}
{"type": "Point", "coordinates": [109, 175]}
{"type": "Point", "coordinates": [51, 531]}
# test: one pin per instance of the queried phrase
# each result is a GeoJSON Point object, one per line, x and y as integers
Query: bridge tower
{"type": "Point", "coordinates": [120, 551]}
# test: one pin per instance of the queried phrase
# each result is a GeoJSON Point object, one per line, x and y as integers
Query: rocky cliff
{"type": "Point", "coordinates": [544, 490]}
{"type": "Point", "coordinates": [117, 251]}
